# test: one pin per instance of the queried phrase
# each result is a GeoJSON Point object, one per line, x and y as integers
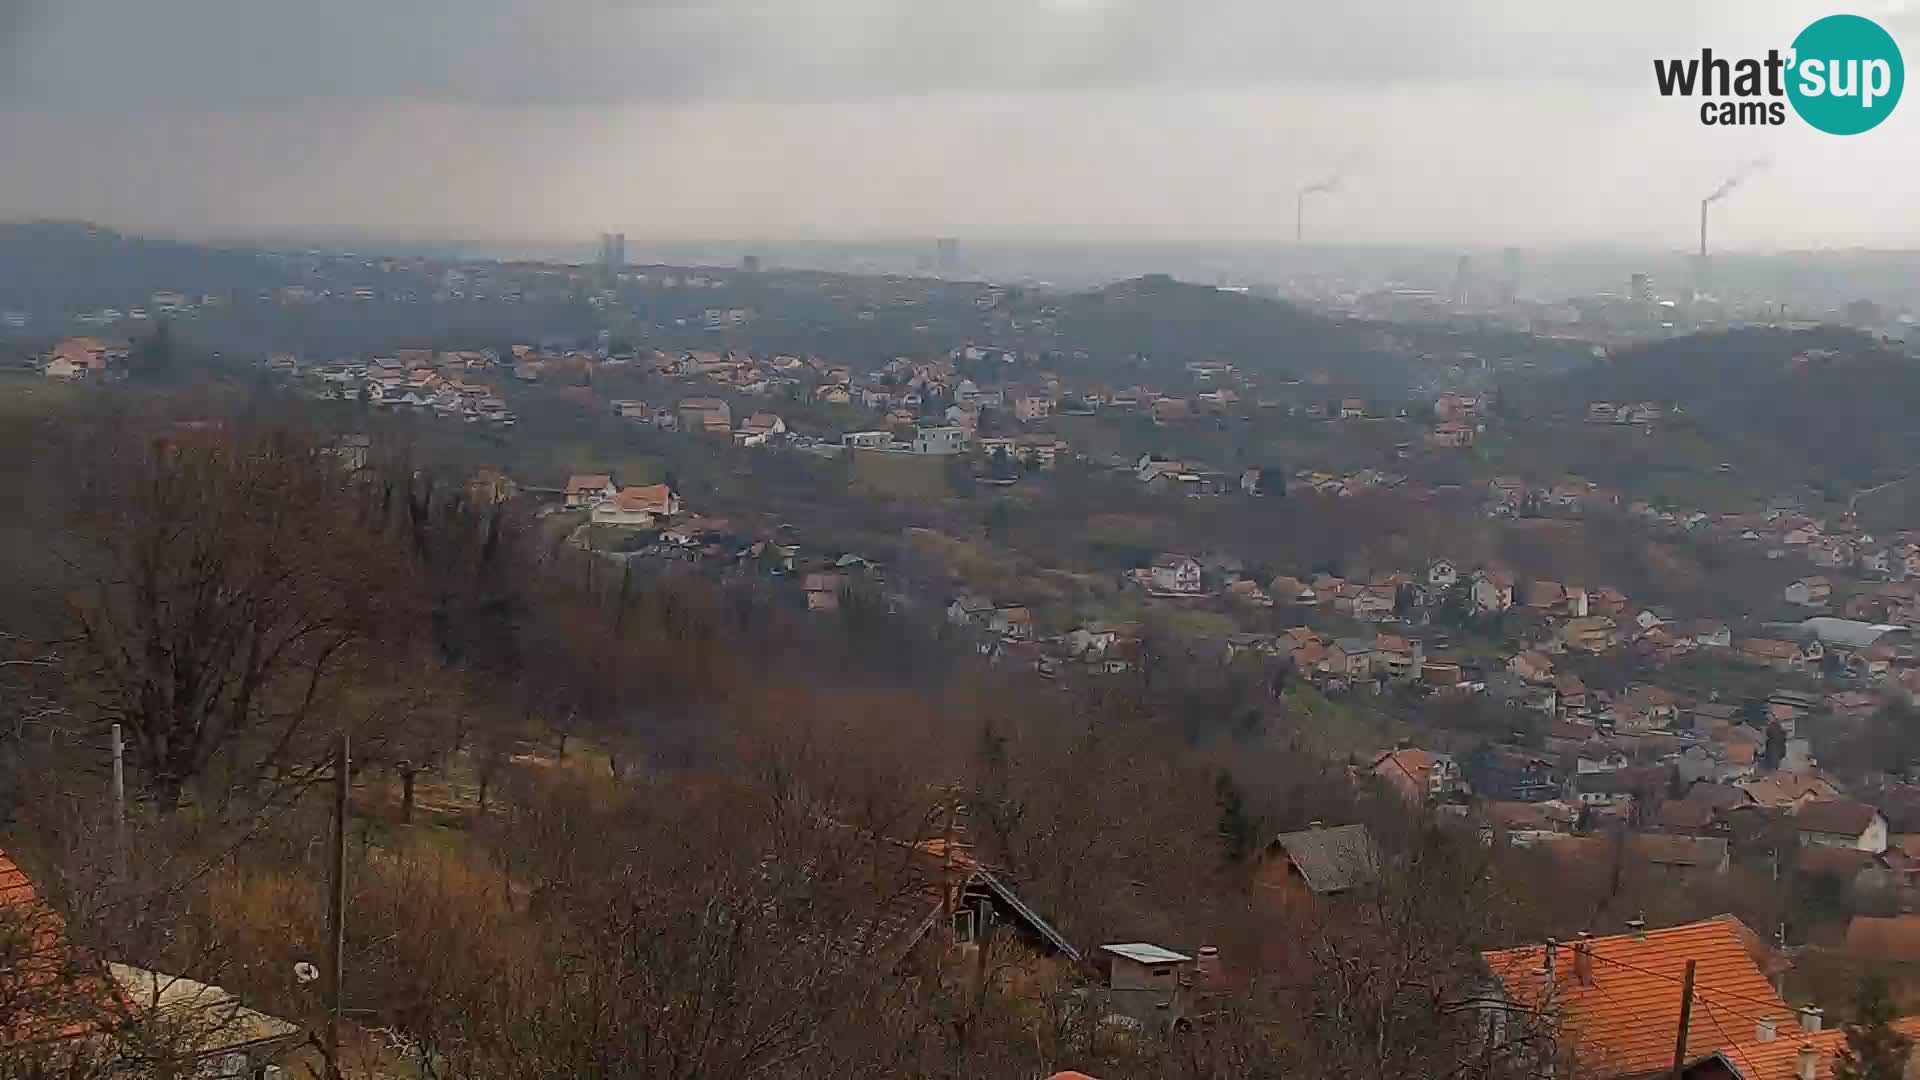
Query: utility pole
{"type": "Point", "coordinates": [1686, 1020]}
{"type": "Point", "coordinates": [119, 807]}
{"type": "Point", "coordinates": [337, 907]}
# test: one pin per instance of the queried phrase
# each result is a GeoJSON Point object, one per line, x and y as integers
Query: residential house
{"type": "Point", "coordinates": [705, 414]}
{"type": "Point", "coordinates": [1029, 408]}
{"type": "Point", "coordinates": [1710, 633]}
{"type": "Point", "coordinates": [757, 429]}
{"type": "Point", "coordinates": [1175, 574]}
{"type": "Point", "coordinates": [823, 591]}
{"type": "Point", "coordinates": [1812, 1055]}
{"type": "Point", "coordinates": [1373, 602]}
{"type": "Point", "coordinates": [1419, 776]}
{"type": "Point", "coordinates": [940, 441]}
{"type": "Point", "coordinates": [1492, 591]}
{"type": "Point", "coordinates": [1352, 658]}
{"type": "Point", "coordinates": [1012, 621]}
{"type": "Point", "coordinates": [1840, 823]}
{"type": "Point", "coordinates": [1681, 858]}
{"type": "Point", "coordinates": [1607, 600]}
{"type": "Point", "coordinates": [1593, 634]}
{"type": "Point", "coordinates": [1780, 655]}
{"type": "Point", "coordinates": [640, 507]}
{"type": "Point", "coordinates": [1573, 692]}
{"type": "Point", "coordinates": [1291, 590]}
{"type": "Point", "coordinates": [1646, 708]}
{"type": "Point", "coordinates": [969, 610]}
{"type": "Point", "coordinates": [1442, 574]}
{"type": "Point", "coordinates": [587, 490]}
{"type": "Point", "coordinates": [1785, 790]}
{"type": "Point", "coordinates": [1809, 592]}
{"type": "Point", "coordinates": [1616, 1000]}
{"type": "Point", "coordinates": [1532, 665]}
{"type": "Point", "coordinates": [1317, 861]}
{"type": "Point", "coordinates": [1398, 658]}
{"type": "Point", "coordinates": [1512, 774]}
{"type": "Point", "coordinates": [83, 358]}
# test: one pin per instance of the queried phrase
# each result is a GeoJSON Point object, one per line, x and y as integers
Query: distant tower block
{"type": "Point", "coordinates": [946, 254]}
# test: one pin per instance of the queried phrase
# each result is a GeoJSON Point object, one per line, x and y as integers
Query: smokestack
{"type": "Point", "coordinates": [1703, 227]}
{"type": "Point", "coordinates": [1299, 215]}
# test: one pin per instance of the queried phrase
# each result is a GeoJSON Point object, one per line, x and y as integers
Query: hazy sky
{"type": "Point", "coordinates": [1464, 120]}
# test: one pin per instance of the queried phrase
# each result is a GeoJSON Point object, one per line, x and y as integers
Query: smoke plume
{"type": "Point", "coordinates": [1741, 174]}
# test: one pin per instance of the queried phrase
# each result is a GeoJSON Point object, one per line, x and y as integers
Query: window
{"type": "Point", "coordinates": [963, 926]}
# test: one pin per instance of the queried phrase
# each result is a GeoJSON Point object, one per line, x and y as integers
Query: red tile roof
{"type": "Point", "coordinates": [1628, 1019]}
{"type": "Point", "coordinates": [1778, 1058]}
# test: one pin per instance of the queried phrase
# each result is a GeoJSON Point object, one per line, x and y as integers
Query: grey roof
{"type": "Point", "coordinates": [1332, 860]}
{"type": "Point", "coordinates": [1847, 633]}
{"type": "Point", "coordinates": [1142, 953]}
{"type": "Point", "coordinates": [1354, 646]}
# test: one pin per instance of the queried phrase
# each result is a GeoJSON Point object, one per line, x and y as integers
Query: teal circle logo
{"type": "Point", "coordinates": [1846, 76]}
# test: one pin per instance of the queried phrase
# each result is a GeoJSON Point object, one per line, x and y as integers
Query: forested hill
{"type": "Point", "coordinates": [1832, 406]}
{"type": "Point", "coordinates": [55, 266]}
{"type": "Point", "coordinates": [1171, 323]}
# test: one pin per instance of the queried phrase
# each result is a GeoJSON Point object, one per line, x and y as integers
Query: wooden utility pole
{"type": "Point", "coordinates": [119, 806]}
{"type": "Point", "coordinates": [1686, 1021]}
{"type": "Point", "coordinates": [337, 907]}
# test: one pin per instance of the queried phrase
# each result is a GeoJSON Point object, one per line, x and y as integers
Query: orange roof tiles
{"type": "Point", "coordinates": [1777, 1059]}
{"type": "Point", "coordinates": [1626, 1021]}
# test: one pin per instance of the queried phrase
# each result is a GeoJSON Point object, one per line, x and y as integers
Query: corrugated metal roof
{"type": "Point", "coordinates": [1143, 953]}
{"type": "Point", "coordinates": [1847, 633]}
{"type": "Point", "coordinates": [1331, 860]}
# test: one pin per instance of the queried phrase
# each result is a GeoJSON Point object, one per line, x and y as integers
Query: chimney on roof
{"type": "Point", "coordinates": [1638, 927]}
{"type": "Point", "coordinates": [1583, 959]}
{"type": "Point", "coordinates": [1811, 1017]}
{"type": "Point", "coordinates": [1316, 824]}
{"type": "Point", "coordinates": [1553, 951]}
{"type": "Point", "coordinates": [1764, 1029]}
{"type": "Point", "coordinates": [1806, 1064]}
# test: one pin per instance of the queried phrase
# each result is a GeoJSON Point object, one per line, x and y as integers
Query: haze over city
{"type": "Point", "coordinates": [1068, 120]}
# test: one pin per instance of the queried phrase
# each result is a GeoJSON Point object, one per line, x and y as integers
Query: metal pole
{"type": "Point", "coordinates": [1686, 1020]}
{"type": "Point", "coordinates": [337, 907]}
{"type": "Point", "coordinates": [119, 806]}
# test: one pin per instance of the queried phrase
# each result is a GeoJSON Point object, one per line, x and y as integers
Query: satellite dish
{"type": "Point", "coordinates": [304, 973]}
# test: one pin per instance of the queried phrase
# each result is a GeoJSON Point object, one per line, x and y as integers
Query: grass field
{"type": "Point", "coordinates": [888, 474]}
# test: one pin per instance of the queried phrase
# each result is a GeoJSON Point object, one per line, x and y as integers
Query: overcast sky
{"type": "Point", "coordinates": [1462, 121]}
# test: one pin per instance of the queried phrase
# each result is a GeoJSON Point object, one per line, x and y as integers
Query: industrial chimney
{"type": "Point", "coordinates": [1703, 227]}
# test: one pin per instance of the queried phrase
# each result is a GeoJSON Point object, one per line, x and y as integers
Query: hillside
{"type": "Point", "coordinates": [1828, 407]}
{"type": "Point", "coordinates": [60, 266]}
{"type": "Point", "coordinates": [1170, 323]}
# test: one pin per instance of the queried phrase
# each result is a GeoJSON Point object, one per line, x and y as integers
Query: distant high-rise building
{"type": "Point", "coordinates": [946, 254]}
{"type": "Point", "coordinates": [1640, 289]}
{"type": "Point", "coordinates": [613, 253]}
{"type": "Point", "coordinates": [1463, 281]}
{"type": "Point", "coordinates": [750, 264]}
{"type": "Point", "coordinates": [1510, 272]}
